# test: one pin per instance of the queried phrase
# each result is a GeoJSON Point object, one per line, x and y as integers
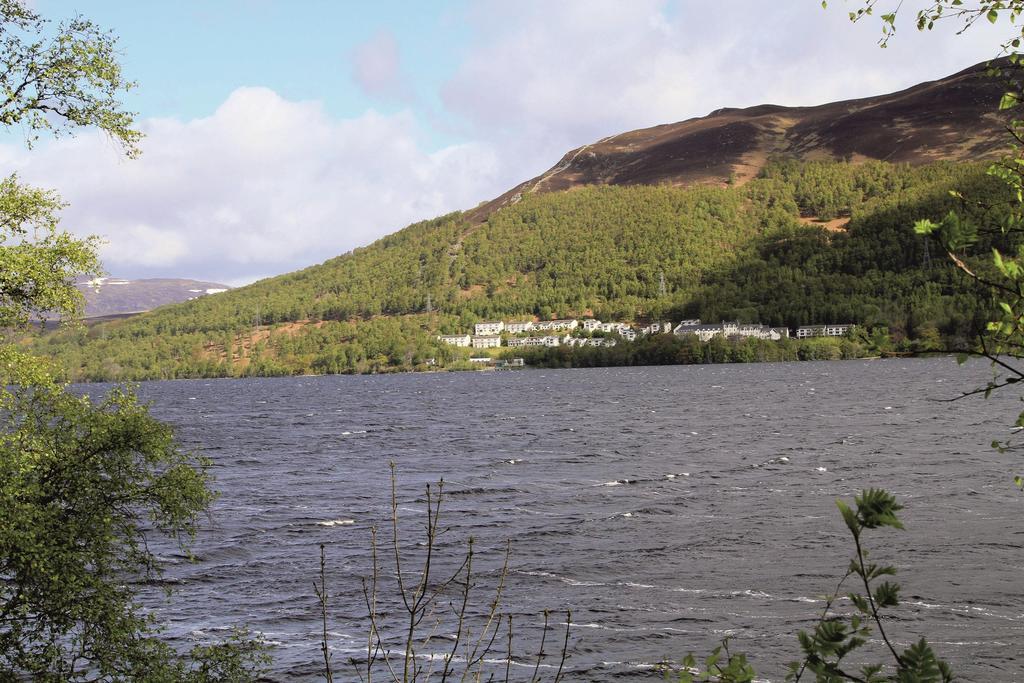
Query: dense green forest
{"type": "Point", "coordinates": [668, 349]}
{"type": "Point", "coordinates": [761, 252]}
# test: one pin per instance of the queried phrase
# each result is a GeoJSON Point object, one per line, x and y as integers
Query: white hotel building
{"type": "Point", "coordinates": [488, 328]}
{"type": "Point", "coordinates": [454, 339]}
{"type": "Point", "coordinates": [489, 341]}
{"type": "Point", "coordinates": [516, 328]}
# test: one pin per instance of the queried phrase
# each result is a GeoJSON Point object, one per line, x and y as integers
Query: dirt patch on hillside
{"type": "Point", "coordinates": [470, 292]}
{"type": "Point", "coordinates": [242, 344]}
{"type": "Point", "coordinates": [834, 225]}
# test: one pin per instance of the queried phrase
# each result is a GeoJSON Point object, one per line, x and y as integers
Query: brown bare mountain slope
{"type": "Point", "coordinates": [952, 119]}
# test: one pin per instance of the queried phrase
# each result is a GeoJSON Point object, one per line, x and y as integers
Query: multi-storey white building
{"type": "Point", "coordinates": [454, 339]}
{"type": "Point", "coordinates": [516, 328]}
{"type": "Point", "coordinates": [534, 341]}
{"type": "Point", "coordinates": [585, 341]}
{"type": "Point", "coordinates": [728, 329]}
{"type": "Point", "coordinates": [704, 332]}
{"type": "Point", "coordinates": [590, 324]}
{"type": "Point", "coordinates": [555, 325]}
{"type": "Point", "coordinates": [525, 342]}
{"type": "Point", "coordinates": [836, 330]}
{"type": "Point", "coordinates": [486, 341]}
{"type": "Point", "coordinates": [657, 328]}
{"type": "Point", "coordinates": [488, 328]}
{"type": "Point", "coordinates": [756, 331]}
{"type": "Point", "coordinates": [619, 328]}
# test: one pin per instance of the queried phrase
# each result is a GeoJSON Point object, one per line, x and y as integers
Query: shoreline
{"type": "Point", "coordinates": [527, 368]}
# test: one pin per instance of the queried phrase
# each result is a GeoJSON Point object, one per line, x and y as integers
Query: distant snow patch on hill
{"type": "Point", "coordinates": [117, 296]}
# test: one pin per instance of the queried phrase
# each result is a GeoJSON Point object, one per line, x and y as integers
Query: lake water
{"type": "Point", "coordinates": [667, 507]}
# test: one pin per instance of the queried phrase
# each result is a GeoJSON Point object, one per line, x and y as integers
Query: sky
{"type": "Point", "coordinates": [281, 133]}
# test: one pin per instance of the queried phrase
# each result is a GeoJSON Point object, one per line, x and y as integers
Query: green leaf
{"type": "Point", "coordinates": [887, 594]}
{"type": "Point", "coordinates": [849, 516]}
{"type": "Point", "coordinates": [830, 636]}
{"type": "Point", "coordinates": [918, 664]}
{"type": "Point", "coordinates": [925, 226]}
{"type": "Point", "coordinates": [877, 507]}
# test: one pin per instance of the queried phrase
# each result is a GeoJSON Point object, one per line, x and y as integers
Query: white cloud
{"type": "Point", "coordinates": [377, 69]}
{"type": "Point", "coordinates": [145, 245]}
{"type": "Point", "coordinates": [263, 185]}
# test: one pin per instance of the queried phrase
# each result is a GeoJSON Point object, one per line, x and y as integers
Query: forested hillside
{"type": "Point", "coordinates": [805, 242]}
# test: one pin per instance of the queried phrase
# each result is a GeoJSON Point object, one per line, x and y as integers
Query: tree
{"type": "Point", "coordinates": [59, 78]}
{"type": "Point", "coordinates": [82, 483]}
{"type": "Point", "coordinates": [935, 11]}
{"type": "Point", "coordinates": [35, 256]}
{"type": "Point", "coordinates": [79, 483]}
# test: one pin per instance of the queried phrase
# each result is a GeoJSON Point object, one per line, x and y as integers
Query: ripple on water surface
{"type": "Point", "coordinates": [668, 507]}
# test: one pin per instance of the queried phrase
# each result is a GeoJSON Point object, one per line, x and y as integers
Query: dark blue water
{"type": "Point", "coordinates": [667, 507]}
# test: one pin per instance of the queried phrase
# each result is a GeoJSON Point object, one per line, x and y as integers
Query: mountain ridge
{"type": "Point", "coordinates": [951, 119]}
{"type": "Point", "coordinates": [114, 296]}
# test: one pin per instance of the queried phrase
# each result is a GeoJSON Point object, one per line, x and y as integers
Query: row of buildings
{"type": "Point", "coordinates": [490, 334]}
{"type": "Point", "coordinates": [496, 327]}
{"type": "Point", "coordinates": [554, 340]}
{"type": "Point", "coordinates": [706, 332]}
